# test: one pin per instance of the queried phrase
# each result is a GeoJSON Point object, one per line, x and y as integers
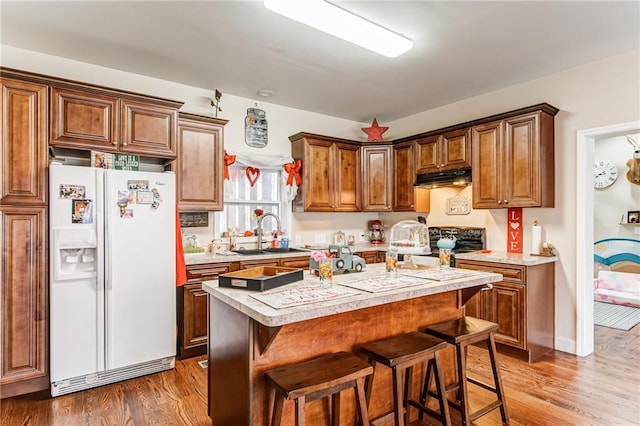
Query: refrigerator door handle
{"type": "Point", "coordinates": [102, 274]}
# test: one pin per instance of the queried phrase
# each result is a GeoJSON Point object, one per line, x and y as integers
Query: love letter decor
{"type": "Point", "coordinates": [253, 174]}
{"type": "Point", "coordinates": [514, 230]}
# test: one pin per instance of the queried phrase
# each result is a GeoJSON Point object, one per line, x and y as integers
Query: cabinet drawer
{"type": "Point", "coordinates": [206, 272]}
{"type": "Point", "coordinates": [295, 262]}
{"type": "Point", "coordinates": [255, 263]}
{"type": "Point", "coordinates": [511, 273]}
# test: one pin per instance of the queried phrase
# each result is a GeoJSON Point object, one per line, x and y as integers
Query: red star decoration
{"type": "Point", "coordinates": [374, 132]}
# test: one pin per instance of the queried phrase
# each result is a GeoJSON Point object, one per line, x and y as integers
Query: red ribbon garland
{"type": "Point", "coordinates": [228, 160]}
{"type": "Point", "coordinates": [293, 170]}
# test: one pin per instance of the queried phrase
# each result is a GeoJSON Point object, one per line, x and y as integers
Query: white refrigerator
{"type": "Point", "coordinates": [112, 275]}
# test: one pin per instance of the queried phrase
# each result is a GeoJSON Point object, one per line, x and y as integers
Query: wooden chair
{"type": "Point", "coordinates": [461, 333]}
{"type": "Point", "coordinates": [318, 378]}
{"type": "Point", "coordinates": [401, 353]}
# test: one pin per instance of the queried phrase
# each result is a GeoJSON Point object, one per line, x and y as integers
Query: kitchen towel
{"type": "Point", "coordinates": [181, 267]}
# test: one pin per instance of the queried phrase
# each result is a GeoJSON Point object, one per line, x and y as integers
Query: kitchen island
{"type": "Point", "coordinates": [248, 337]}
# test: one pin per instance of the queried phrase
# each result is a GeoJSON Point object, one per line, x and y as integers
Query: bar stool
{"type": "Point", "coordinates": [401, 353]}
{"type": "Point", "coordinates": [318, 378]}
{"type": "Point", "coordinates": [461, 333]}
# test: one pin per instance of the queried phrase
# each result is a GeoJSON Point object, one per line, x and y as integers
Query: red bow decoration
{"type": "Point", "coordinates": [293, 170]}
{"type": "Point", "coordinates": [228, 160]}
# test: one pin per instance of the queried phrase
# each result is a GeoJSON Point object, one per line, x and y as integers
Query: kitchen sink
{"type": "Point", "coordinates": [272, 251]}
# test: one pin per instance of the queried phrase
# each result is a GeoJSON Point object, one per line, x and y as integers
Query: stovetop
{"type": "Point", "coordinates": [468, 238]}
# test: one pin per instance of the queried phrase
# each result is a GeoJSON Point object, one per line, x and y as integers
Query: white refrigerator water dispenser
{"type": "Point", "coordinates": [75, 253]}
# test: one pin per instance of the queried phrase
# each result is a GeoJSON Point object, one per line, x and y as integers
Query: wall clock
{"type": "Point", "coordinates": [605, 174]}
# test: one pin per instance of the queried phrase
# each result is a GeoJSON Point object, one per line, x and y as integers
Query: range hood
{"type": "Point", "coordinates": [461, 177]}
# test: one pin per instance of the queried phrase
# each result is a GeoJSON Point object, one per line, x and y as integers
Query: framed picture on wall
{"type": "Point", "coordinates": [633, 217]}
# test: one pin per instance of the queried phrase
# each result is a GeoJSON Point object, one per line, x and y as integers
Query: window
{"type": "Point", "coordinates": [241, 199]}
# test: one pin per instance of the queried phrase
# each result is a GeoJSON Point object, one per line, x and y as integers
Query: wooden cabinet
{"type": "Point", "coordinates": [522, 305]}
{"type": "Point", "coordinates": [377, 175]}
{"type": "Point", "coordinates": [192, 308]}
{"type": "Point", "coordinates": [372, 256]}
{"type": "Point", "coordinates": [87, 118]}
{"type": "Point", "coordinates": [513, 161]}
{"type": "Point", "coordinates": [199, 165]}
{"type": "Point", "coordinates": [404, 176]}
{"type": "Point", "coordinates": [295, 262]}
{"type": "Point", "coordinates": [24, 362]}
{"type": "Point", "coordinates": [23, 155]}
{"type": "Point", "coordinates": [442, 152]}
{"type": "Point", "coordinates": [330, 174]}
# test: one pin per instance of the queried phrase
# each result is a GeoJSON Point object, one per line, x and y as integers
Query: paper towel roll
{"type": "Point", "coordinates": [536, 239]}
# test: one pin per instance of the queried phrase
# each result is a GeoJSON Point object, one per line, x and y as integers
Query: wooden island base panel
{"type": "Point", "coordinates": [247, 338]}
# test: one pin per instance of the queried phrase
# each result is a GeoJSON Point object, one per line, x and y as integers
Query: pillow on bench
{"type": "Point", "coordinates": [620, 281]}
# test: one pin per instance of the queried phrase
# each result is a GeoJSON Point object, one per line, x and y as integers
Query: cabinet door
{"type": "Point", "coordinates": [480, 305]}
{"type": "Point", "coordinates": [24, 301]}
{"type": "Point", "coordinates": [345, 191]}
{"type": "Point", "coordinates": [522, 161]}
{"type": "Point", "coordinates": [84, 120]}
{"type": "Point", "coordinates": [23, 155]}
{"type": "Point", "coordinates": [404, 176]}
{"type": "Point", "coordinates": [508, 313]}
{"type": "Point", "coordinates": [149, 130]}
{"type": "Point", "coordinates": [318, 176]}
{"type": "Point", "coordinates": [455, 150]}
{"type": "Point", "coordinates": [246, 264]}
{"type": "Point", "coordinates": [427, 160]}
{"type": "Point", "coordinates": [369, 256]}
{"type": "Point", "coordinates": [195, 316]}
{"type": "Point", "coordinates": [199, 170]}
{"type": "Point", "coordinates": [486, 165]}
{"type": "Point", "coordinates": [377, 174]}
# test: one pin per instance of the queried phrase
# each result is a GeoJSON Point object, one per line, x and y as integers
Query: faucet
{"type": "Point", "coordinates": [259, 229]}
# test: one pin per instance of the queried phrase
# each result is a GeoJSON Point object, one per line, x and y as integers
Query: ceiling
{"type": "Point", "coordinates": [461, 49]}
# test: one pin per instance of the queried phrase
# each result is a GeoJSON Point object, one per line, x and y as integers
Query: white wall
{"type": "Point", "coordinates": [612, 204]}
{"type": "Point", "coordinates": [597, 94]}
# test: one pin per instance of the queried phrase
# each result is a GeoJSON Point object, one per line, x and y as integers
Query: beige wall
{"type": "Point", "coordinates": [597, 94]}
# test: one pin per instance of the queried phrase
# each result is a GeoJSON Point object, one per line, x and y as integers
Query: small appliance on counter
{"type": "Point", "coordinates": [376, 233]}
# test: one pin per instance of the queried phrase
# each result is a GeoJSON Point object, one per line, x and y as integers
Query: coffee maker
{"type": "Point", "coordinates": [376, 233]}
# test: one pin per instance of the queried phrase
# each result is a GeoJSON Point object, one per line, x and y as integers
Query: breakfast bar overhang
{"type": "Point", "coordinates": [248, 337]}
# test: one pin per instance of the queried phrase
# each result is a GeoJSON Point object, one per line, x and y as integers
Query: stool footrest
{"type": "Point", "coordinates": [482, 384]}
{"type": "Point", "coordinates": [481, 412]}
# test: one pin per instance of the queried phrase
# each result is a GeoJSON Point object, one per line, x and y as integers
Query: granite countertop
{"type": "Point", "coordinates": [507, 258]}
{"type": "Point", "coordinates": [243, 301]}
{"type": "Point", "coordinates": [201, 258]}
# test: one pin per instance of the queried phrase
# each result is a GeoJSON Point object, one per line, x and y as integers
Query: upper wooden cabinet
{"type": "Point", "coordinates": [23, 157]}
{"type": "Point", "coordinates": [330, 173]}
{"type": "Point", "coordinates": [446, 151]}
{"type": "Point", "coordinates": [199, 166]}
{"type": "Point", "coordinates": [404, 176]}
{"type": "Point", "coordinates": [513, 160]}
{"type": "Point", "coordinates": [377, 175]}
{"type": "Point", "coordinates": [90, 119]}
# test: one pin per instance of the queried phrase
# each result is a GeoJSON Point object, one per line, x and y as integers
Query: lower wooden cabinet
{"type": "Point", "coordinates": [372, 256]}
{"type": "Point", "coordinates": [192, 306]}
{"type": "Point", "coordinates": [24, 362]}
{"type": "Point", "coordinates": [522, 305]}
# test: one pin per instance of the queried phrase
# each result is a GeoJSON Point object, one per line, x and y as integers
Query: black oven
{"type": "Point", "coordinates": [468, 239]}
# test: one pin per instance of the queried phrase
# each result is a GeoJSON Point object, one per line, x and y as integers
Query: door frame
{"type": "Point", "coordinates": [584, 228]}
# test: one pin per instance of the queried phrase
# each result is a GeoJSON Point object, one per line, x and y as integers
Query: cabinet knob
{"type": "Point", "coordinates": [442, 165]}
{"type": "Point", "coordinates": [115, 142]}
{"type": "Point", "coordinates": [506, 201]}
{"type": "Point", "coordinates": [499, 201]}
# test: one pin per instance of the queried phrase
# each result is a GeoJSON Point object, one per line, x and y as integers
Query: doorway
{"type": "Point", "coordinates": [584, 229]}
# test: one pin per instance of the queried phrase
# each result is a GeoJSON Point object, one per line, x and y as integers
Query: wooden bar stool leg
{"type": "Point", "coordinates": [278, 403]}
{"type": "Point", "coordinates": [408, 374]}
{"type": "Point", "coordinates": [335, 409]}
{"type": "Point", "coordinates": [491, 346]}
{"type": "Point", "coordinates": [398, 406]}
{"type": "Point", "coordinates": [368, 381]}
{"type": "Point", "coordinates": [440, 388]}
{"type": "Point", "coordinates": [300, 410]}
{"type": "Point", "coordinates": [361, 403]}
{"type": "Point", "coordinates": [461, 355]}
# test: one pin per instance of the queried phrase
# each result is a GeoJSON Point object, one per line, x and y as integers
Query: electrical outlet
{"type": "Point", "coordinates": [320, 239]}
{"type": "Point", "coordinates": [298, 240]}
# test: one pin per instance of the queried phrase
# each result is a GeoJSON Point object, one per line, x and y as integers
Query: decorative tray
{"type": "Point", "coordinates": [261, 278]}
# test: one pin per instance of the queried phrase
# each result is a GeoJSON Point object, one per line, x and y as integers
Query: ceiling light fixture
{"type": "Point", "coordinates": [340, 23]}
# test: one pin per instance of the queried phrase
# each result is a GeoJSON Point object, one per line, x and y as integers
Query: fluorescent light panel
{"type": "Point", "coordinates": [338, 22]}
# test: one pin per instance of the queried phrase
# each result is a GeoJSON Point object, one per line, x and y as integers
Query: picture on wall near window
{"type": "Point", "coordinates": [255, 129]}
{"type": "Point", "coordinates": [633, 217]}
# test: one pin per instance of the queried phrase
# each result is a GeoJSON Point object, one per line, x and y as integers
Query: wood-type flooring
{"type": "Point", "coordinates": [562, 389]}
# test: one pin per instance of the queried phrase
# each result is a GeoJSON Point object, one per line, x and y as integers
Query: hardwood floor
{"type": "Point", "coordinates": [602, 389]}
